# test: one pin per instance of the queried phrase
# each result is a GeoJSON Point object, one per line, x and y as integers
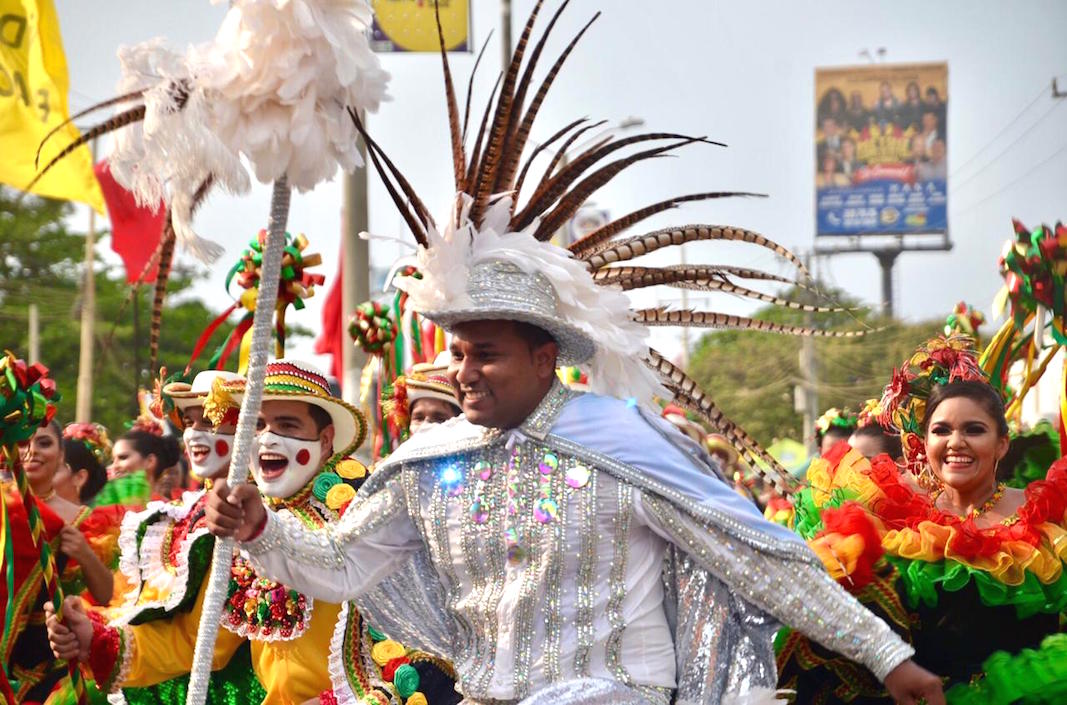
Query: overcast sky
{"type": "Point", "coordinates": [739, 72]}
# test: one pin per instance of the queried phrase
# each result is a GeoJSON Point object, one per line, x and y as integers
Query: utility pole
{"type": "Point", "coordinates": [84, 405]}
{"type": "Point", "coordinates": [355, 273]}
{"type": "Point", "coordinates": [35, 343]}
{"type": "Point", "coordinates": [505, 32]}
{"type": "Point", "coordinates": [809, 372]}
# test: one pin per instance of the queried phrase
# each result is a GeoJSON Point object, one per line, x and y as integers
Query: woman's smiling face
{"type": "Point", "coordinates": [41, 457]}
{"type": "Point", "coordinates": [963, 445]}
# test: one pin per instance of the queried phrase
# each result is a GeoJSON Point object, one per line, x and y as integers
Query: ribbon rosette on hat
{"type": "Point", "coordinates": [964, 320]}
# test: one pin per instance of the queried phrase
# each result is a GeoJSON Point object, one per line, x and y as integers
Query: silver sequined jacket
{"type": "Point", "coordinates": [592, 541]}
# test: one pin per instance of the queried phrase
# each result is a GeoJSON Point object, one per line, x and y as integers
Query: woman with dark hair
{"type": "Point", "coordinates": [872, 439]}
{"type": "Point", "coordinates": [87, 450]}
{"type": "Point", "coordinates": [910, 112]}
{"type": "Point", "coordinates": [834, 426]}
{"type": "Point", "coordinates": [142, 469]}
{"type": "Point", "coordinates": [970, 572]}
{"type": "Point", "coordinates": [61, 471]}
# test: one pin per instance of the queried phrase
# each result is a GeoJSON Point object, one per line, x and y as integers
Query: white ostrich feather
{"type": "Point", "coordinates": [279, 76]}
{"type": "Point", "coordinates": [164, 158]}
{"type": "Point", "coordinates": [603, 313]}
{"type": "Point", "coordinates": [272, 86]}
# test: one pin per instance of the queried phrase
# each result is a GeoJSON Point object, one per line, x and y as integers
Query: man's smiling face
{"type": "Point", "coordinates": [500, 374]}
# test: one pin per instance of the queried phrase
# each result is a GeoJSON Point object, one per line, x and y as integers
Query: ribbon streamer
{"type": "Point", "coordinates": [295, 285]}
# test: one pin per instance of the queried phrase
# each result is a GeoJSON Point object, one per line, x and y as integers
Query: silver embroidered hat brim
{"type": "Point", "coordinates": [500, 290]}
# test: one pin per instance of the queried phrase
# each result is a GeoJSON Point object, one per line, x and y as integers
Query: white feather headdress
{"type": "Point", "coordinates": [600, 314]}
{"type": "Point", "coordinates": [493, 220]}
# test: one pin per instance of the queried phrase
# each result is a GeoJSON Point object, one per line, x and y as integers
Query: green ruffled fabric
{"type": "Point", "coordinates": [235, 684]}
{"type": "Point", "coordinates": [1032, 676]}
{"type": "Point", "coordinates": [808, 520]}
{"type": "Point", "coordinates": [1041, 449]}
{"type": "Point", "coordinates": [922, 581]}
{"type": "Point", "coordinates": [129, 490]}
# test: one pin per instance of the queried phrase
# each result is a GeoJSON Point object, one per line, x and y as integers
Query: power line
{"type": "Point", "coordinates": [994, 138]}
{"type": "Point", "coordinates": [1028, 172]}
{"type": "Point", "coordinates": [1014, 142]}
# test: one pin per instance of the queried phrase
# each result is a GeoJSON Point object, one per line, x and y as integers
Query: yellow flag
{"type": "Point", "coordinates": [33, 100]}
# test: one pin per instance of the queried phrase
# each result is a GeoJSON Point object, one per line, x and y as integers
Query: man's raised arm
{"type": "Point", "coordinates": [336, 563]}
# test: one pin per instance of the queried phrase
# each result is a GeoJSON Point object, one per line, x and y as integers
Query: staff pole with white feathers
{"type": "Point", "coordinates": [273, 86]}
{"type": "Point", "coordinates": [262, 342]}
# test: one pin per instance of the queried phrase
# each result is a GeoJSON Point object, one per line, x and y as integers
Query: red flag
{"type": "Point", "coordinates": [135, 231]}
{"type": "Point", "coordinates": [332, 336]}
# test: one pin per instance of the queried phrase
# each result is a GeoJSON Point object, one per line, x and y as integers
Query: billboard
{"type": "Point", "coordinates": [410, 25]}
{"type": "Point", "coordinates": [880, 157]}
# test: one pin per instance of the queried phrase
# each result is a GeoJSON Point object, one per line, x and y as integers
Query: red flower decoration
{"type": "Point", "coordinates": [850, 519]}
{"type": "Point", "coordinates": [895, 394]}
{"type": "Point", "coordinates": [390, 668]}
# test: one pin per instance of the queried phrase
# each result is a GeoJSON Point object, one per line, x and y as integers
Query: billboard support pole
{"type": "Point", "coordinates": [887, 258]}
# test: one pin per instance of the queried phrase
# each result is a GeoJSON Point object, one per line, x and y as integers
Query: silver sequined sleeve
{"type": "Point", "coordinates": [341, 561]}
{"type": "Point", "coordinates": [799, 594]}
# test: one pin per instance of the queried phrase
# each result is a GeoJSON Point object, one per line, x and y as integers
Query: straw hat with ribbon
{"type": "Point", "coordinates": [296, 380]}
{"type": "Point", "coordinates": [429, 380]}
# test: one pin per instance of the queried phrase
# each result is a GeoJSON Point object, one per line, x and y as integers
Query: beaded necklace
{"type": "Point", "coordinates": [998, 492]}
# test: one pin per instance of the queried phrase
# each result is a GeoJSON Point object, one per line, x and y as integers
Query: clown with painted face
{"type": "Point", "coordinates": [208, 430]}
{"type": "Point", "coordinates": [277, 652]}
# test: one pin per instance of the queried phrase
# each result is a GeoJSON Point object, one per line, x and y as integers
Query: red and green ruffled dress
{"type": "Point", "coordinates": [982, 606]}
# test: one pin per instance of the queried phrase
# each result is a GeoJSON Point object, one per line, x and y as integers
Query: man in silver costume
{"type": "Point", "coordinates": [559, 547]}
{"type": "Point", "coordinates": [549, 535]}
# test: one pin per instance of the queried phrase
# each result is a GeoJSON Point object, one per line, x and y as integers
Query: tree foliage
{"type": "Point", "coordinates": [753, 376]}
{"type": "Point", "coordinates": [41, 262]}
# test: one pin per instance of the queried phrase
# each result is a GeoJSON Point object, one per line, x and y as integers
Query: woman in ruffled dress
{"type": "Point", "coordinates": [63, 472]}
{"type": "Point", "coordinates": [45, 462]}
{"type": "Point", "coordinates": [971, 571]}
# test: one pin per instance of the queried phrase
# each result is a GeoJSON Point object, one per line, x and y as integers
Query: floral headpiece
{"type": "Point", "coordinates": [836, 418]}
{"type": "Point", "coordinates": [93, 436]}
{"type": "Point", "coordinates": [27, 399]}
{"type": "Point", "coordinates": [872, 409]}
{"type": "Point", "coordinates": [903, 404]}
{"type": "Point", "coordinates": [964, 320]}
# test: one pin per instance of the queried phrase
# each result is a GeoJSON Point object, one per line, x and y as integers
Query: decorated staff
{"type": "Point", "coordinates": [295, 285]}
{"type": "Point", "coordinates": [394, 338]}
{"type": "Point", "coordinates": [1034, 267]}
{"type": "Point", "coordinates": [28, 397]}
{"type": "Point", "coordinates": [273, 86]}
{"type": "Point", "coordinates": [964, 320]}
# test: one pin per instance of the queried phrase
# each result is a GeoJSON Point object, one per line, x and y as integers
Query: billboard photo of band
{"type": "Point", "coordinates": [880, 149]}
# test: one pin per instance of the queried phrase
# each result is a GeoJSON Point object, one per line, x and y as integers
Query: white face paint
{"type": "Point", "coordinates": [209, 453]}
{"type": "Point", "coordinates": [283, 465]}
{"type": "Point", "coordinates": [420, 426]}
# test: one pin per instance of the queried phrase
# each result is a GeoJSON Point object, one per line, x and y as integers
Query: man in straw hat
{"type": "Point", "coordinates": [299, 463]}
{"type": "Point", "coordinates": [430, 395]}
{"type": "Point", "coordinates": [561, 547]}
